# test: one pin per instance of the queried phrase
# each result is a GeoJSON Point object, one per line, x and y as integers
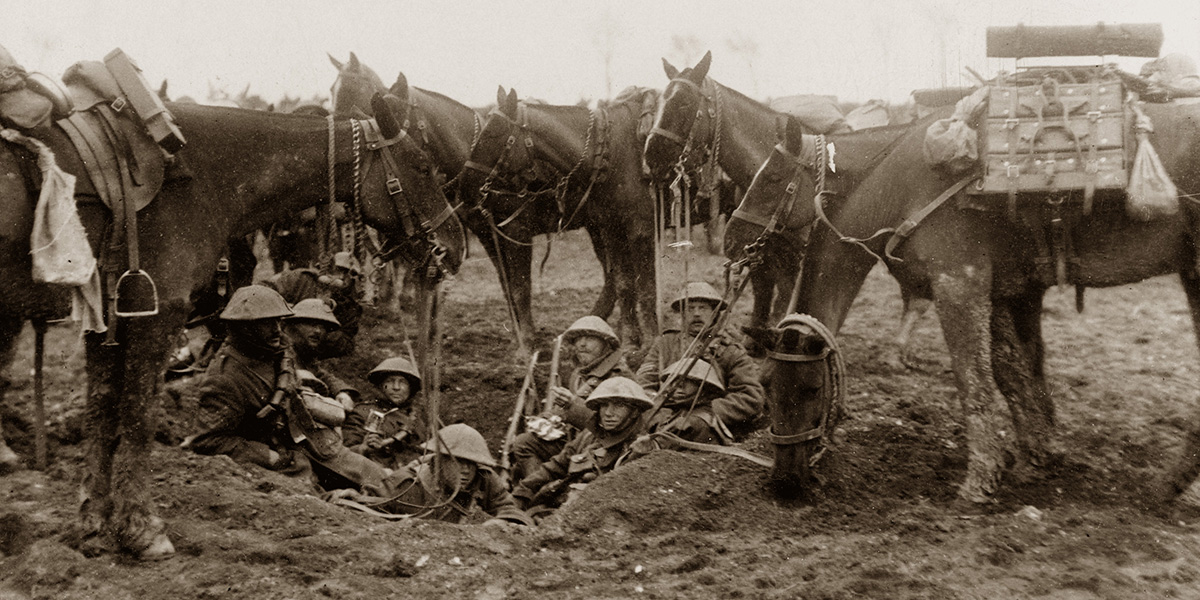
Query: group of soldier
{"type": "Point", "coordinates": [265, 399]}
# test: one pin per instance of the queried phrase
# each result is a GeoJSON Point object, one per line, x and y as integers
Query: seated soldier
{"type": "Point", "coordinates": [339, 290]}
{"type": "Point", "coordinates": [305, 329]}
{"type": "Point", "coordinates": [694, 410]}
{"type": "Point", "coordinates": [744, 397]}
{"type": "Point", "coordinates": [388, 431]}
{"type": "Point", "coordinates": [451, 486]}
{"type": "Point", "coordinates": [618, 404]}
{"type": "Point", "coordinates": [596, 352]}
{"type": "Point", "coordinates": [253, 405]}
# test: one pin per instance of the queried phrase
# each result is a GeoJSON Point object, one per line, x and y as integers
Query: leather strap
{"type": "Point", "coordinates": [675, 440]}
{"type": "Point", "coordinates": [906, 228]}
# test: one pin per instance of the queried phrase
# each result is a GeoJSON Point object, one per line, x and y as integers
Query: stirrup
{"type": "Point", "coordinates": [131, 294]}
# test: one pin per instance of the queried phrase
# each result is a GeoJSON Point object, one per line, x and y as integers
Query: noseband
{"type": "Point", "coordinates": [832, 401]}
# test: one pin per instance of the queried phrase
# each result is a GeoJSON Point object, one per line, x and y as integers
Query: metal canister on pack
{"type": "Point", "coordinates": [374, 420]}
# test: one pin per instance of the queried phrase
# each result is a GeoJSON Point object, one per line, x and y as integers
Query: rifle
{"type": "Point", "coordinates": [286, 383]}
{"type": "Point", "coordinates": [515, 422]}
{"type": "Point", "coordinates": [548, 402]}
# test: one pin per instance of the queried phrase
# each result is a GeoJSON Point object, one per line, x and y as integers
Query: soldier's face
{"type": "Point", "coordinates": [459, 471]}
{"type": "Point", "coordinates": [397, 389]}
{"type": "Point", "coordinates": [696, 315]}
{"type": "Point", "coordinates": [269, 331]}
{"type": "Point", "coordinates": [589, 349]}
{"type": "Point", "coordinates": [613, 415]}
{"type": "Point", "coordinates": [686, 389]}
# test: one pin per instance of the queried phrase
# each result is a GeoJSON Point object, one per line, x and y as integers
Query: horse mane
{"type": "Point", "coordinates": [441, 96]}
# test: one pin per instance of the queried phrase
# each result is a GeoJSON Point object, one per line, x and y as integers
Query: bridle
{"type": "Point", "coordinates": [416, 115]}
{"type": "Point", "coordinates": [532, 181]}
{"type": "Point", "coordinates": [705, 103]}
{"type": "Point", "coordinates": [812, 161]}
{"type": "Point", "coordinates": [834, 401]}
{"type": "Point", "coordinates": [420, 243]}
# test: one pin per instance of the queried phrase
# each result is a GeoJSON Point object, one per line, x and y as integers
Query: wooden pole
{"type": "Point", "coordinates": [39, 394]}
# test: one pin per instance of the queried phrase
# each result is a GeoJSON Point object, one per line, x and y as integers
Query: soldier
{"type": "Point", "coordinates": [452, 487]}
{"type": "Point", "coordinates": [617, 404]}
{"type": "Point", "coordinates": [597, 356]}
{"type": "Point", "coordinates": [252, 408]}
{"type": "Point", "coordinates": [311, 322]}
{"type": "Point", "coordinates": [388, 431]}
{"type": "Point", "coordinates": [744, 397]}
{"type": "Point", "coordinates": [691, 410]}
{"type": "Point", "coordinates": [340, 291]}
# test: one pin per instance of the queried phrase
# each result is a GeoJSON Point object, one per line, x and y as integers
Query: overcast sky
{"type": "Point", "coordinates": [557, 50]}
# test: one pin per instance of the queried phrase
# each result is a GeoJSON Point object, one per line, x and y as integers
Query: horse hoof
{"type": "Point", "coordinates": [160, 549]}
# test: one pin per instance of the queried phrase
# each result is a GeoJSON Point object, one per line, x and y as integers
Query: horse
{"type": "Point", "coordinates": [448, 130]}
{"type": "Point", "coordinates": [987, 271]}
{"type": "Point", "coordinates": [543, 169]}
{"type": "Point", "coordinates": [240, 170]}
{"type": "Point", "coordinates": [700, 117]}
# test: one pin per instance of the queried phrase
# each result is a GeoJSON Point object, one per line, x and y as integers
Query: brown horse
{"type": "Point", "coordinates": [542, 169]}
{"type": "Point", "coordinates": [240, 170]}
{"type": "Point", "coordinates": [448, 130]}
{"type": "Point", "coordinates": [700, 119]}
{"type": "Point", "coordinates": [988, 273]}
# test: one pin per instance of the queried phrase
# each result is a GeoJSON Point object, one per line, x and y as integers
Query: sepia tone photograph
{"type": "Point", "coordinates": [520, 299]}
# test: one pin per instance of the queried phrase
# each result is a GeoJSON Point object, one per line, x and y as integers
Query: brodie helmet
{"type": "Point", "coordinates": [702, 372]}
{"type": "Point", "coordinates": [314, 309]}
{"type": "Point", "coordinates": [461, 441]}
{"type": "Point", "coordinates": [593, 326]}
{"type": "Point", "coordinates": [254, 302]}
{"type": "Point", "coordinates": [698, 291]}
{"type": "Point", "coordinates": [397, 365]}
{"type": "Point", "coordinates": [622, 389]}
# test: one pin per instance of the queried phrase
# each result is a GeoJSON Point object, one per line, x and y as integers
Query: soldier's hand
{"type": "Point", "coordinates": [272, 458]}
{"type": "Point", "coordinates": [562, 396]}
{"type": "Point", "coordinates": [374, 441]}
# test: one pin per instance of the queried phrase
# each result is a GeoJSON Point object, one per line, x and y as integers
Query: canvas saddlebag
{"type": "Point", "coordinates": [1051, 136]}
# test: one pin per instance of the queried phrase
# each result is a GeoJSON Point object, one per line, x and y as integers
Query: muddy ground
{"type": "Point", "coordinates": [885, 523]}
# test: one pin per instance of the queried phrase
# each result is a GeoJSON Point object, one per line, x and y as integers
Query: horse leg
{"type": "Point", "coordinates": [104, 387]}
{"type": "Point", "coordinates": [607, 300]}
{"type": "Point", "coordinates": [964, 308]}
{"type": "Point", "coordinates": [1180, 476]}
{"type": "Point", "coordinates": [643, 286]}
{"type": "Point", "coordinates": [10, 328]}
{"type": "Point", "coordinates": [900, 355]}
{"type": "Point", "coordinates": [1018, 356]}
{"type": "Point", "coordinates": [137, 528]}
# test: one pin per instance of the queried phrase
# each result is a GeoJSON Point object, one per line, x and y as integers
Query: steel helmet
{"type": "Point", "coordinates": [345, 260]}
{"type": "Point", "coordinates": [698, 290]}
{"type": "Point", "coordinates": [461, 441]}
{"type": "Point", "coordinates": [593, 326]}
{"type": "Point", "coordinates": [255, 302]}
{"type": "Point", "coordinates": [311, 381]}
{"type": "Point", "coordinates": [619, 388]}
{"type": "Point", "coordinates": [396, 365]}
{"type": "Point", "coordinates": [702, 372]}
{"type": "Point", "coordinates": [314, 309]}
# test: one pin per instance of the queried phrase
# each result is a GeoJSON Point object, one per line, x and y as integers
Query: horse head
{"type": "Point", "coordinates": [780, 197]}
{"type": "Point", "coordinates": [418, 206]}
{"type": "Point", "coordinates": [502, 159]}
{"type": "Point", "coordinates": [802, 376]}
{"type": "Point", "coordinates": [354, 87]}
{"type": "Point", "coordinates": [675, 133]}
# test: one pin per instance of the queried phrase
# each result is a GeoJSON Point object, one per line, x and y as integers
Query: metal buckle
{"type": "Point", "coordinates": [119, 104]}
{"type": "Point", "coordinates": [1093, 115]}
{"type": "Point", "coordinates": [1011, 123]}
{"type": "Point", "coordinates": [791, 187]}
{"type": "Point", "coordinates": [1013, 170]}
{"type": "Point", "coordinates": [393, 186]}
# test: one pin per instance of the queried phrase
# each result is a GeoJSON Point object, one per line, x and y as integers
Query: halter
{"type": "Point", "coordinates": [814, 157]}
{"type": "Point", "coordinates": [832, 356]}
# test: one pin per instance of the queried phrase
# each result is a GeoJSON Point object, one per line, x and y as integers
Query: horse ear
{"type": "Point", "coordinates": [700, 71]}
{"type": "Point", "coordinates": [500, 96]}
{"type": "Point", "coordinates": [509, 106]}
{"type": "Point", "coordinates": [765, 336]}
{"type": "Point", "coordinates": [670, 69]}
{"type": "Point", "coordinates": [794, 135]}
{"type": "Point", "coordinates": [162, 92]}
{"type": "Point", "coordinates": [353, 62]}
{"type": "Point", "coordinates": [336, 63]}
{"type": "Point", "coordinates": [389, 126]}
{"type": "Point", "coordinates": [400, 88]}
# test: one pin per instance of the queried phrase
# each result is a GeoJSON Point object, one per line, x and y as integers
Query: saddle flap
{"type": "Point", "coordinates": [90, 134]}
